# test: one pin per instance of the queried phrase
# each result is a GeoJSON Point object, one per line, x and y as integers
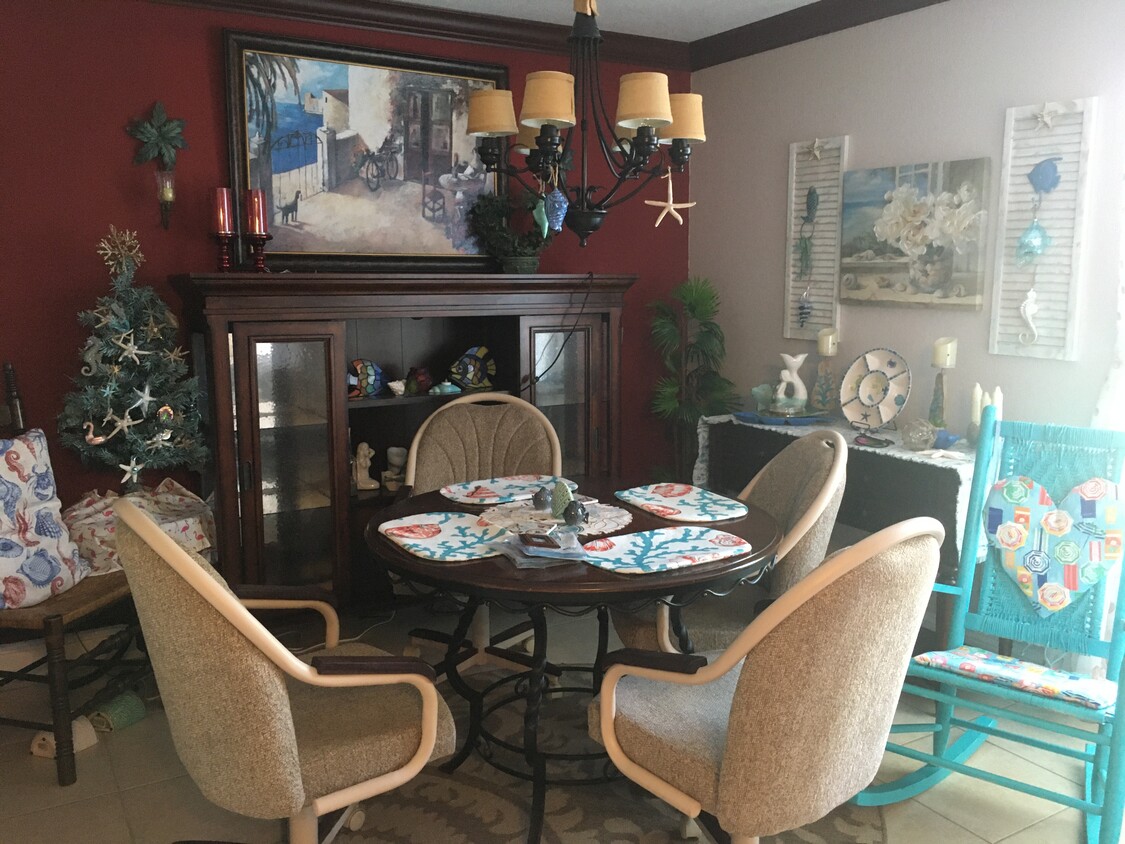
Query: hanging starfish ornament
{"type": "Point", "coordinates": [669, 206]}
{"type": "Point", "coordinates": [129, 348]}
{"type": "Point", "coordinates": [1045, 117]}
{"type": "Point", "coordinates": [177, 355]}
{"type": "Point", "coordinates": [144, 399]}
{"type": "Point", "coordinates": [132, 470]}
{"type": "Point", "coordinates": [814, 150]}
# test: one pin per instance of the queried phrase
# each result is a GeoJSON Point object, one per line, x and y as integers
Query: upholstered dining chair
{"type": "Point", "coordinates": [791, 720]}
{"type": "Point", "coordinates": [480, 435]}
{"type": "Point", "coordinates": [801, 487]}
{"type": "Point", "coordinates": [261, 732]}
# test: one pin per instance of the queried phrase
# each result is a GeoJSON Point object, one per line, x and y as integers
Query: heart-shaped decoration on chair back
{"type": "Point", "coordinates": [1054, 553]}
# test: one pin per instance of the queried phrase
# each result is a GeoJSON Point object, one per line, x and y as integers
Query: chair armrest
{"type": "Point", "coordinates": [656, 660]}
{"type": "Point", "coordinates": [249, 591]}
{"type": "Point", "coordinates": [373, 665]}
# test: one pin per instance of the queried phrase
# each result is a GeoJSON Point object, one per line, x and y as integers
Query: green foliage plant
{"type": "Point", "coordinates": [692, 346]}
{"type": "Point", "coordinates": [493, 222]}
{"type": "Point", "coordinates": [160, 137]}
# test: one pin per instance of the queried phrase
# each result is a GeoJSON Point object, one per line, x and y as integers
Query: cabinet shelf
{"type": "Point", "coordinates": [398, 401]}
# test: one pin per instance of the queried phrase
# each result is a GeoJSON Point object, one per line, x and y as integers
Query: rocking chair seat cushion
{"type": "Point", "coordinates": [980, 664]}
{"type": "Point", "coordinates": [345, 735]}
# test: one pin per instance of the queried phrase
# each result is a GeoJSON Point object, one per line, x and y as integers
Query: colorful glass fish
{"type": "Point", "coordinates": [1044, 176]}
{"type": "Point", "coordinates": [1032, 243]}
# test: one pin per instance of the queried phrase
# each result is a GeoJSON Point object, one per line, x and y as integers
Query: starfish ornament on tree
{"type": "Point", "coordinates": [132, 470]}
{"type": "Point", "coordinates": [129, 348]}
{"type": "Point", "coordinates": [669, 205]}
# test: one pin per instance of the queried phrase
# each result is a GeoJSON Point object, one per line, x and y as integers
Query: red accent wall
{"type": "Point", "coordinates": [77, 71]}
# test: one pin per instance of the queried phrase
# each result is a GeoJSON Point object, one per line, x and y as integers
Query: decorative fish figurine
{"type": "Point", "coordinates": [576, 513]}
{"type": "Point", "coordinates": [1044, 176]}
{"type": "Point", "coordinates": [557, 205]}
{"type": "Point", "coordinates": [804, 309]}
{"type": "Point", "coordinates": [542, 499]}
{"type": "Point", "coordinates": [539, 215]}
{"type": "Point", "coordinates": [1032, 243]}
{"type": "Point", "coordinates": [812, 202]}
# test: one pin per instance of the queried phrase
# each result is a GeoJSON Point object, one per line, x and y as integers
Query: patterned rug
{"type": "Point", "coordinates": [478, 804]}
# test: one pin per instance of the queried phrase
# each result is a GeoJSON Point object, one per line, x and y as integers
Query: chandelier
{"type": "Point", "coordinates": [573, 126]}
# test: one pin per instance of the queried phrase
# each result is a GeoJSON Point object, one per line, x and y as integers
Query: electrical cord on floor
{"type": "Point", "coordinates": [356, 638]}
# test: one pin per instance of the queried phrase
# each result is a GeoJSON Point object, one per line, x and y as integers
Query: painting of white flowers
{"type": "Point", "coordinates": [914, 235]}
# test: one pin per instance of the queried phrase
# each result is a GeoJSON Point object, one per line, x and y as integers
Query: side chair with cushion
{"type": "Point", "coordinates": [262, 732]}
{"type": "Point", "coordinates": [1048, 501]}
{"type": "Point", "coordinates": [791, 720]}
{"type": "Point", "coordinates": [481, 435]}
{"type": "Point", "coordinates": [802, 488]}
{"type": "Point", "coordinates": [28, 484]}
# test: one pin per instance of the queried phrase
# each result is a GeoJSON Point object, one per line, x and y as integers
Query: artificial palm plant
{"type": "Point", "coordinates": [692, 346]}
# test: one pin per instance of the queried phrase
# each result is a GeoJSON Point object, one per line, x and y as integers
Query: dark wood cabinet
{"type": "Point", "coordinates": [277, 348]}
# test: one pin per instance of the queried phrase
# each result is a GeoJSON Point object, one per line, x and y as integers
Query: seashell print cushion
{"type": "Point", "coordinates": [664, 549]}
{"type": "Point", "coordinates": [683, 503]}
{"type": "Point", "coordinates": [501, 490]}
{"type": "Point", "coordinates": [1054, 553]}
{"type": "Point", "coordinates": [443, 537]}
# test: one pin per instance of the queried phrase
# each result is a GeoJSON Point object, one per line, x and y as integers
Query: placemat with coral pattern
{"type": "Point", "coordinates": [683, 503]}
{"type": "Point", "coordinates": [443, 537]}
{"type": "Point", "coordinates": [664, 549]}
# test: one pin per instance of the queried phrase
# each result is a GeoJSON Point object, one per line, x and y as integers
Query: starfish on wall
{"type": "Point", "coordinates": [814, 150]}
{"type": "Point", "coordinates": [669, 205]}
{"type": "Point", "coordinates": [1045, 117]}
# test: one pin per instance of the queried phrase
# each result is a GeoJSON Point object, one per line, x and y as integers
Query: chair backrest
{"type": "Point", "coordinates": [801, 488]}
{"type": "Point", "coordinates": [226, 701]}
{"type": "Point", "coordinates": [1058, 458]}
{"type": "Point", "coordinates": [482, 435]}
{"type": "Point", "coordinates": [823, 669]}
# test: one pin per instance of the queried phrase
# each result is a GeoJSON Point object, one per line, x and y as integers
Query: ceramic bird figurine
{"type": "Point", "coordinates": [542, 499]}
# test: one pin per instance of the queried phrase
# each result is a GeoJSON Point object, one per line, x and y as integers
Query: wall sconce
{"type": "Point", "coordinates": [160, 137]}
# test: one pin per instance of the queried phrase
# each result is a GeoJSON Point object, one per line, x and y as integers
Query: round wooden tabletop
{"type": "Point", "coordinates": [575, 583]}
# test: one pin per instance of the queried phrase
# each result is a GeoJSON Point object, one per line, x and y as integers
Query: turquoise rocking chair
{"type": "Point", "coordinates": [1045, 499]}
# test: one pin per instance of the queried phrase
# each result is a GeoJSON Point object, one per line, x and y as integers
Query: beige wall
{"type": "Point", "coordinates": [925, 86]}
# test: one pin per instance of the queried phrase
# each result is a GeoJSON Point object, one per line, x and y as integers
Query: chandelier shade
{"type": "Point", "coordinates": [564, 125]}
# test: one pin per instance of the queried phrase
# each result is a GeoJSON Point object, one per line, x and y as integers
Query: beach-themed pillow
{"type": "Point", "coordinates": [1054, 552]}
{"type": "Point", "coordinates": [37, 558]}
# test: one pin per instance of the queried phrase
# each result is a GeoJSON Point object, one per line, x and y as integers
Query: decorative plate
{"type": "Point", "coordinates": [604, 518]}
{"type": "Point", "coordinates": [874, 389]}
{"type": "Point", "coordinates": [444, 537]}
{"type": "Point", "coordinates": [664, 549]}
{"type": "Point", "coordinates": [682, 503]}
{"type": "Point", "coordinates": [501, 490]}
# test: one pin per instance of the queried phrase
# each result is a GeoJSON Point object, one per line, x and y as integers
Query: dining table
{"type": "Point", "coordinates": [571, 587]}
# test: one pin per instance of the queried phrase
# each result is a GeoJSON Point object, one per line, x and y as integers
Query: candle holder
{"type": "Point", "coordinates": [258, 250]}
{"type": "Point", "coordinates": [825, 392]}
{"type": "Point", "coordinates": [224, 240]}
{"type": "Point", "coordinates": [937, 403]}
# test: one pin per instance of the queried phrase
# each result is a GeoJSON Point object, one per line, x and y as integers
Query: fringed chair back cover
{"type": "Point", "coordinates": [1058, 458]}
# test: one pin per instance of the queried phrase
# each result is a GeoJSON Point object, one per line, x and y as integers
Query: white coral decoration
{"type": "Point", "coordinates": [913, 223]}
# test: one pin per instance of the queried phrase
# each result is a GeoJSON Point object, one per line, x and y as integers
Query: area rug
{"type": "Point", "coordinates": [478, 804]}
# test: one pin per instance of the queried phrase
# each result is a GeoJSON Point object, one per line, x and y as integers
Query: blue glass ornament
{"type": "Point", "coordinates": [804, 309]}
{"type": "Point", "coordinates": [557, 204]}
{"type": "Point", "coordinates": [1032, 243]}
{"type": "Point", "coordinates": [1044, 176]}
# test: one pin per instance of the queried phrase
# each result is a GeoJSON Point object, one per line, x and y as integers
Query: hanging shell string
{"type": "Point", "coordinates": [1044, 178]}
{"type": "Point", "coordinates": [803, 247]}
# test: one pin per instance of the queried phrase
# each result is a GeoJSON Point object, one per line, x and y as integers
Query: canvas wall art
{"type": "Point", "coordinates": [913, 235]}
{"type": "Point", "coordinates": [363, 156]}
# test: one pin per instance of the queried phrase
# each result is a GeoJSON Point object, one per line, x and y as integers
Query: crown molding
{"type": "Point", "coordinates": [800, 24]}
{"type": "Point", "coordinates": [425, 22]}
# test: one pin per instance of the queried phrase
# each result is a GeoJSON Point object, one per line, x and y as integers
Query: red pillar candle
{"type": "Point", "coordinates": [256, 212]}
{"type": "Point", "coordinates": [224, 220]}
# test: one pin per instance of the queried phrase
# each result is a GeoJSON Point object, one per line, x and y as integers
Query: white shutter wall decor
{"type": "Point", "coordinates": [817, 164]}
{"type": "Point", "coordinates": [1038, 268]}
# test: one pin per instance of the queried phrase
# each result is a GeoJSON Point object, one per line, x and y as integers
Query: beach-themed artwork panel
{"type": "Point", "coordinates": [914, 235]}
{"type": "Point", "coordinates": [1043, 185]}
{"type": "Point", "coordinates": [356, 151]}
{"type": "Point", "coordinates": [812, 243]}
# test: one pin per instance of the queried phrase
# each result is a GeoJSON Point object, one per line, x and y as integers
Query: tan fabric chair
{"type": "Point", "coordinates": [482, 435]}
{"type": "Point", "coordinates": [801, 487]}
{"type": "Point", "coordinates": [261, 732]}
{"type": "Point", "coordinates": [791, 720]}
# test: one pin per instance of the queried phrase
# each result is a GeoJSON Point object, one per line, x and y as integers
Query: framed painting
{"type": "Point", "coordinates": [913, 235]}
{"type": "Point", "coordinates": [362, 156]}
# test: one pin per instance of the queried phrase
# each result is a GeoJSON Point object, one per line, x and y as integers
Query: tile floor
{"type": "Point", "coordinates": [132, 788]}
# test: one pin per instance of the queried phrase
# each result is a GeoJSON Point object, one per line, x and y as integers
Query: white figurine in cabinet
{"type": "Point", "coordinates": [361, 468]}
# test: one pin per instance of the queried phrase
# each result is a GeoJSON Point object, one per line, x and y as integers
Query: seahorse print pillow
{"type": "Point", "coordinates": [37, 557]}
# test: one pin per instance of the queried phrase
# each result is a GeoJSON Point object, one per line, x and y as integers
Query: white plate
{"type": "Point", "coordinates": [874, 389]}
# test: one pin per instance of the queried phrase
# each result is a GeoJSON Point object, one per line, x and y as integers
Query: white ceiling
{"type": "Point", "coordinates": [675, 20]}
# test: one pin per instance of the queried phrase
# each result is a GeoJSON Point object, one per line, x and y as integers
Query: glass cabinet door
{"type": "Point", "coordinates": [292, 446]}
{"type": "Point", "coordinates": [563, 366]}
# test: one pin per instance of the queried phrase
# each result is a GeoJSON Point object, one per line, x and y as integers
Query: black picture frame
{"type": "Point", "coordinates": [386, 177]}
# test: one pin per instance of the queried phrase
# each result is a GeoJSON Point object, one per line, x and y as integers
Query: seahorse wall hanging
{"type": "Point", "coordinates": [1044, 178]}
{"type": "Point", "coordinates": [803, 247]}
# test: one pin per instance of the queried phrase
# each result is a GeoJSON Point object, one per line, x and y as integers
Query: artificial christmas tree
{"type": "Point", "coordinates": [135, 407]}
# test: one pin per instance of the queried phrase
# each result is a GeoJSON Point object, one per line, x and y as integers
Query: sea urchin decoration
{"type": "Point", "coordinates": [119, 247]}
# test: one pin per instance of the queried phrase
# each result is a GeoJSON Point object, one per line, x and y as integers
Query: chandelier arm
{"type": "Point", "coordinates": [609, 202]}
{"type": "Point", "coordinates": [603, 127]}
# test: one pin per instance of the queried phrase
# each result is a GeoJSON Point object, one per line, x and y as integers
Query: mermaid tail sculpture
{"type": "Point", "coordinates": [790, 378]}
